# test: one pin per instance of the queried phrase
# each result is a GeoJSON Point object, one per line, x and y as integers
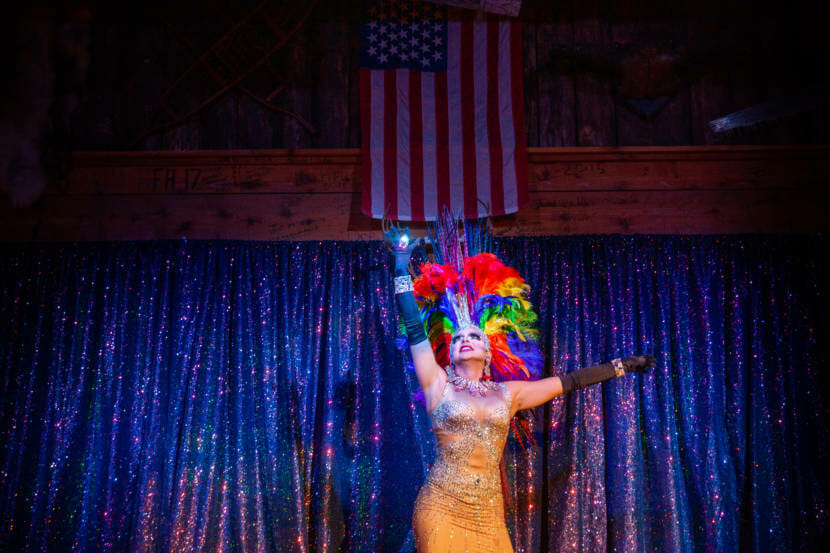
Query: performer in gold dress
{"type": "Point", "coordinates": [479, 367]}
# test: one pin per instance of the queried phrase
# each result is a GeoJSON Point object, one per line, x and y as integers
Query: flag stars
{"type": "Point", "coordinates": [406, 36]}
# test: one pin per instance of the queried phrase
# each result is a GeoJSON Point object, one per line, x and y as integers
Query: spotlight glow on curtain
{"type": "Point", "coordinates": [237, 396]}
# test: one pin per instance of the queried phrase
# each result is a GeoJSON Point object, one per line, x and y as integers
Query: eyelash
{"type": "Point", "coordinates": [476, 336]}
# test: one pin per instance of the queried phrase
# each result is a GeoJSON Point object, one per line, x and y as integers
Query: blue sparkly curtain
{"type": "Point", "coordinates": [237, 396]}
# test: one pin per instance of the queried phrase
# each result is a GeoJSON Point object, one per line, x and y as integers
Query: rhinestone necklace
{"type": "Point", "coordinates": [479, 387]}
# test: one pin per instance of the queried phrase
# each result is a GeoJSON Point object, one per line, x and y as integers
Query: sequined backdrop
{"type": "Point", "coordinates": [237, 396]}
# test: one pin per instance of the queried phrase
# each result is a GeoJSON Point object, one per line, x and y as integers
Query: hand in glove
{"type": "Point", "coordinates": [398, 241]}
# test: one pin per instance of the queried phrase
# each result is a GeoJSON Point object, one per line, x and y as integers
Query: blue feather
{"type": "Point", "coordinates": [529, 352]}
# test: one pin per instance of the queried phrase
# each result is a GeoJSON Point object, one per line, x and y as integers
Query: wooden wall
{"type": "Point", "coordinates": [314, 194]}
{"type": "Point", "coordinates": [274, 157]}
{"type": "Point", "coordinates": [582, 60]}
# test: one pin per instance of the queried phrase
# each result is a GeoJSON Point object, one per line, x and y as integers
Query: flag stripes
{"type": "Point", "coordinates": [451, 138]}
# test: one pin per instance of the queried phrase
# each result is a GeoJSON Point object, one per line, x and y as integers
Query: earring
{"type": "Point", "coordinates": [487, 367]}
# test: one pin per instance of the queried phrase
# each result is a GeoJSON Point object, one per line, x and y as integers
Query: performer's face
{"type": "Point", "coordinates": [468, 344]}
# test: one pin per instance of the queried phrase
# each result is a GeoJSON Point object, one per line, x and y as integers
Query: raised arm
{"type": "Point", "coordinates": [431, 377]}
{"type": "Point", "coordinates": [529, 394]}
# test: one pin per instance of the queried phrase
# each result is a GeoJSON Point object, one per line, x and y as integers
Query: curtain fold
{"type": "Point", "coordinates": [243, 396]}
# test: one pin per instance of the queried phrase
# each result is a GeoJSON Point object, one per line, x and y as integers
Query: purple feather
{"type": "Point", "coordinates": [490, 301]}
{"type": "Point", "coordinates": [529, 352]}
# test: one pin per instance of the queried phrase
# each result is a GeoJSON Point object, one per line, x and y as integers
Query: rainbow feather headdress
{"type": "Point", "coordinates": [466, 286]}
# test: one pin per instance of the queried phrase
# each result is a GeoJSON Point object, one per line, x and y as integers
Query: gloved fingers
{"type": "Point", "coordinates": [640, 363]}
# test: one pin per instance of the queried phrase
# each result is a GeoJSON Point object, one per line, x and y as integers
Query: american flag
{"type": "Point", "coordinates": [442, 114]}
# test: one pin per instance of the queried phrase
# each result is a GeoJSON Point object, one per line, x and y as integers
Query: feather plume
{"type": "Point", "coordinates": [496, 297]}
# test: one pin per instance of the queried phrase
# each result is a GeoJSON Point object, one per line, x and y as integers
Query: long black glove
{"type": "Point", "coordinates": [591, 375]}
{"type": "Point", "coordinates": [398, 241]}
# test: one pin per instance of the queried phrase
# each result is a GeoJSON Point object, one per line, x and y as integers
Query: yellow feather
{"type": "Point", "coordinates": [494, 325]}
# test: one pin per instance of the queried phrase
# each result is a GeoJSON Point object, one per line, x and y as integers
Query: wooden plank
{"type": "Point", "coordinates": [337, 171]}
{"type": "Point", "coordinates": [333, 217]}
{"type": "Point", "coordinates": [301, 55]}
{"type": "Point", "coordinates": [678, 174]}
{"type": "Point", "coordinates": [501, 7]}
{"type": "Point", "coordinates": [530, 83]}
{"type": "Point", "coordinates": [594, 106]}
{"type": "Point", "coordinates": [20, 225]}
{"type": "Point", "coordinates": [187, 135]}
{"type": "Point", "coordinates": [352, 45]}
{"type": "Point", "coordinates": [100, 122]}
{"type": "Point", "coordinates": [254, 122]}
{"type": "Point", "coordinates": [556, 99]}
{"type": "Point", "coordinates": [330, 95]}
{"type": "Point", "coordinates": [219, 124]}
{"type": "Point", "coordinates": [314, 194]}
{"type": "Point", "coordinates": [709, 94]}
{"type": "Point", "coordinates": [746, 77]}
{"type": "Point", "coordinates": [665, 212]}
{"type": "Point", "coordinates": [727, 68]}
{"type": "Point", "coordinates": [201, 217]}
{"type": "Point", "coordinates": [648, 39]}
{"type": "Point", "coordinates": [147, 65]}
{"type": "Point", "coordinates": [219, 172]}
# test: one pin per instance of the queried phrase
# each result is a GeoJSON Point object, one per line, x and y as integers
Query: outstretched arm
{"type": "Point", "coordinates": [431, 377]}
{"type": "Point", "coordinates": [529, 394]}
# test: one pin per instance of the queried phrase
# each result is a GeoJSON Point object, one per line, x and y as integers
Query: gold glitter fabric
{"type": "Point", "coordinates": [460, 507]}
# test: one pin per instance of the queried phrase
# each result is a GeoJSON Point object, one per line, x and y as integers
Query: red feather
{"type": "Point", "coordinates": [434, 280]}
{"type": "Point", "coordinates": [487, 272]}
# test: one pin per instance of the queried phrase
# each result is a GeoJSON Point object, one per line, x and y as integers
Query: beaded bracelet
{"type": "Point", "coordinates": [619, 369]}
{"type": "Point", "coordinates": [403, 284]}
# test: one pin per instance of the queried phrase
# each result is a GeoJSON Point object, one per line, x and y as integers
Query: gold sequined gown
{"type": "Point", "coordinates": [460, 507]}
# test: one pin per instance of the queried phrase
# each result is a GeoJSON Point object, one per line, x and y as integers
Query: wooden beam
{"type": "Point", "coordinates": [315, 194]}
{"type": "Point", "coordinates": [500, 7]}
{"type": "Point", "coordinates": [213, 172]}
